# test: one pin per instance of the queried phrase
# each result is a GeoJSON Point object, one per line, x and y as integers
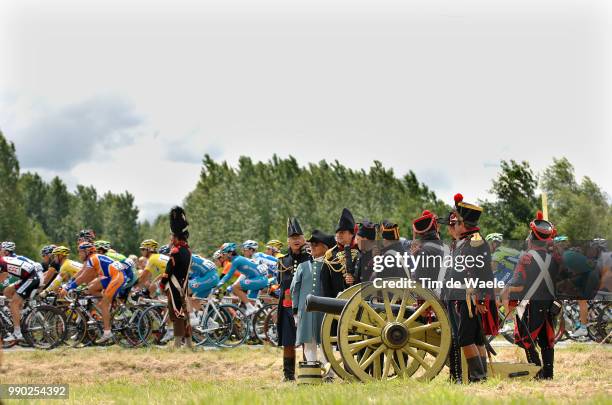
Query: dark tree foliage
{"type": "Point", "coordinates": [253, 200]}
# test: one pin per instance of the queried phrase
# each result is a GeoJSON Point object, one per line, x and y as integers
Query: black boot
{"type": "Point", "coordinates": [476, 372]}
{"type": "Point", "coordinates": [548, 359]}
{"type": "Point", "coordinates": [454, 360]}
{"type": "Point", "coordinates": [288, 368]}
{"type": "Point", "coordinates": [483, 360]}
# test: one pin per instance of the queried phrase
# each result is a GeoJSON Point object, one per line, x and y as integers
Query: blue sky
{"type": "Point", "coordinates": [125, 94]}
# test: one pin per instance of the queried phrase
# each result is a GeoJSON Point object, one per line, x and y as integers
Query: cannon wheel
{"type": "Point", "coordinates": [390, 344]}
{"type": "Point", "coordinates": [329, 337]}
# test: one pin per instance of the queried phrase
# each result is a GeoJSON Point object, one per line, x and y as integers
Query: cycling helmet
{"type": "Point", "coordinates": [250, 244]}
{"type": "Point", "coordinates": [8, 246]}
{"type": "Point", "coordinates": [86, 235]}
{"type": "Point", "coordinates": [275, 244]}
{"type": "Point", "coordinates": [102, 244]}
{"type": "Point", "coordinates": [47, 250]}
{"type": "Point", "coordinates": [164, 250]}
{"type": "Point", "coordinates": [494, 237]}
{"type": "Point", "coordinates": [216, 255]}
{"type": "Point", "coordinates": [228, 247]}
{"type": "Point", "coordinates": [61, 251]}
{"type": "Point", "coordinates": [561, 238]}
{"type": "Point", "coordinates": [149, 244]}
{"type": "Point", "coordinates": [88, 247]}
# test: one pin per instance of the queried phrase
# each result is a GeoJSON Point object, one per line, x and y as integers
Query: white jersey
{"type": "Point", "coordinates": [266, 264]}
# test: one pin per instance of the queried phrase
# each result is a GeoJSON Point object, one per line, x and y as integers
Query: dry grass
{"type": "Point", "coordinates": [246, 375]}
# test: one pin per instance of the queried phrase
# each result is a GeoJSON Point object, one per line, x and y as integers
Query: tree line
{"type": "Point", "coordinates": [34, 213]}
{"type": "Point", "coordinates": [254, 199]}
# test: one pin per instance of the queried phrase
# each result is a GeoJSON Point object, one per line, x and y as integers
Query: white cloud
{"type": "Point", "coordinates": [444, 88]}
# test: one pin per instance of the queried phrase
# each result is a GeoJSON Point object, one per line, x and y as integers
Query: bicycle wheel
{"type": "Point", "coordinates": [151, 325]}
{"type": "Point", "coordinates": [259, 321]}
{"type": "Point", "coordinates": [6, 328]}
{"type": "Point", "coordinates": [76, 327]}
{"type": "Point", "coordinates": [270, 328]}
{"type": "Point", "coordinates": [198, 331]}
{"type": "Point", "coordinates": [46, 327]}
{"type": "Point", "coordinates": [125, 326]}
{"type": "Point", "coordinates": [226, 326]}
{"type": "Point", "coordinates": [601, 328]}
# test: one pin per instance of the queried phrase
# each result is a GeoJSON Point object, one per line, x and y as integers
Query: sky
{"type": "Point", "coordinates": [130, 95]}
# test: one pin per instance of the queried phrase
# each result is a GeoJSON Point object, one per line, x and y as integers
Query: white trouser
{"type": "Point", "coordinates": [310, 351]}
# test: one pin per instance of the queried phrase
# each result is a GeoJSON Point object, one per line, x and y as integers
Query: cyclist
{"type": "Point", "coordinates": [203, 276]}
{"type": "Point", "coordinates": [268, 265]}
{"type": "Point", "coordinates": [46, 256]}
{"type": "Point", "coordinates": [599, 259]}
{"type": "Point", "coordinates": [61, 270]}
{"type": "Point", "coordinates": [503, 259]}
{"type": "Point", "coordinates": [253, 279]}
{"type": "Point", "coordinates": [104, 248]}
{"type": "Point", "coordinates": [273, 248]}
{"type": "Point", "coordinates": [28, 274]}
{"type": "Point", "coordinates": [155, 267]}
{"type": "Point", "coordinates": [110, 279]}
{"type": "Point", "coordinates": [86, 235]}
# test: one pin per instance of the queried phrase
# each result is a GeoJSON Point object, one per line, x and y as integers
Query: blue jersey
{"type": "Point", "coordinates": [267, 264]}
{"type": "Point", "coordinates": [201, 267]}
{"type": "Point", "coordinates": [245, 266]}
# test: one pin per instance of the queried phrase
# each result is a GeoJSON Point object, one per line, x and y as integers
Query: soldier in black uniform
{"type": "Point", "coordinates": [428, 246]}
{"type": "Point", "coordinates": [533, 285]}
{"type": "Point", "coordinates": [174, 281]}
{"type": "Point", "coordinates": [365, 241]}
{"type": "Point", "coordinates": [454, 355]}
{"type": "Point", "coordinates": [287, 265]}
{"type": "Point", "coordinates": [392, 245]}
{"type": "Point", "coordinates": [339, 261]}
{"type": "Point", "coordinates": [472, 306]}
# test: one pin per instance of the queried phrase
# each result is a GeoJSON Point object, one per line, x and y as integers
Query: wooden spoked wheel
{"type": "Point", "coordinates": [389, 333]}
{"type": "Point", "coordinates": [329, 337]}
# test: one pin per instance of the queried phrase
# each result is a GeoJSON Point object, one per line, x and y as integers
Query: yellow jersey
{"type": "Point", "coordinates": [67, 270]}
{"type": "Point", "coordinates": [156, 265]}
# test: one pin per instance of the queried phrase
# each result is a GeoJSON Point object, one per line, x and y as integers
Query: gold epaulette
{"type": "Point", "coordinates": [281, 267]}
{"type": "Point", "coordinates": [476, 240]}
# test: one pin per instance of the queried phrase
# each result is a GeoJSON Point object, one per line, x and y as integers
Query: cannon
{"type": "Point", "coordinates": [370, 334]}
{"type": "Point", "coordinates": [373, 334]}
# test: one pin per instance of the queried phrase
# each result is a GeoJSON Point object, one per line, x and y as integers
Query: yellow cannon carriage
{"type": "Point", "coordinates": [370, 333]}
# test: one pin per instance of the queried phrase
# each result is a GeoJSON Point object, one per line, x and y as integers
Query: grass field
{"type": "Point", "coordinates": [251, 376]}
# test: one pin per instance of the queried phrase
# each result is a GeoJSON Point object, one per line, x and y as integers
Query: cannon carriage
{"type": "Point", "coordinates": [370, 333]}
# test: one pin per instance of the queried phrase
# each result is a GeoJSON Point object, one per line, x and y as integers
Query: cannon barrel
{"type": "Point", "coordinates": [315, 303]}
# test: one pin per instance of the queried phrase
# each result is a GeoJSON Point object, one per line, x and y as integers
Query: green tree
{"type": "Point", "coordinates": [120, 222]}
{"type": "Point", "coordinates": [14, 224]}
{"type": "Point", "coordinates": [516, 201]}
{"type": "Point", "coordinates": [580, 210]}
{"type": "Point", "coordinates": [253, 200]}
{"type": "Point", "coordinates": [34, 191]}
{"type": "Point", "coordinates": [58, 216]}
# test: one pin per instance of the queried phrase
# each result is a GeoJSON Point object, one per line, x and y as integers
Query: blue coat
{"type": "Point", "coordinates": [307, 281]}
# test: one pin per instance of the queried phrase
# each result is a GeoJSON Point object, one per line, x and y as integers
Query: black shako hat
{"type": "Point", "coordinates": [367, 230]}
{"type": "Point", "coordinates": [346, 222]}
{"type": "Point", "coordinates": [542, 229]}
{"type": "Point", "coordinates": [468, 213]}
{"type": "Point", "coordinates": [322, 237]}
{"type": "Point", "coordinates": [178, 222]}
{"type": "Point", "coordinates": [425, 223]}
{"type": "Point", "coordinates": [389, 230]}
{"type": "Point", "coordinates": [293, 227]}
